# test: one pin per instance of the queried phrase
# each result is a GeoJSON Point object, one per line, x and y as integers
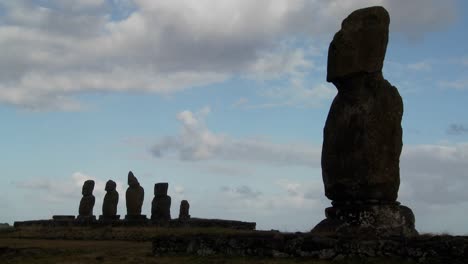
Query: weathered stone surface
{"type": "Point", "coordinates": [111, 200]}
{"type": "Point", "coordinates": [360, 45]}
{"type": "Point", "coordinates": [367, 221]}
{"type": "Point", "coordinates": [161, 205]}
{"type": "Point", "coordinates": [88, 200]}
{"type": "Point", "coordinates": [63, 217]}
{"type": "Point", "coordinates": [435, 249]}
{"type": "Point", "coordinates": [184, 210]}
{"type": "Point", "coordinates": [362, 138]}
{"type": "Point", "coordinates": [362, 135]}
{"type": "Point", "coordinates": [134, 196]}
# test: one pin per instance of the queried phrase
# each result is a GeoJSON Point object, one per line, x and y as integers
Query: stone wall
{"type": "Point", "coordinates": [446, 249]}
{"type": "Point", "coordinates": [189, 223]}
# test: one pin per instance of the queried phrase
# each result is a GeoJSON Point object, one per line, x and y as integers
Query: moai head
{"type": "Point", "coordinates": [88, 188]}
{"type": "Point", "coordinates": [360, 45]}
{"type": "Point", "coordinates": [161, 188]}
{"type": "Point", "coordinates": [132, 180]}
{"type": "Point", "coordinates": [110, 186]}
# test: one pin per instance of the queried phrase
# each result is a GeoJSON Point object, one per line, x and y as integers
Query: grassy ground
{"type": "Point", "coordinates": [118, 245]}
{"type": "Point", "coordinates": [74, 252]}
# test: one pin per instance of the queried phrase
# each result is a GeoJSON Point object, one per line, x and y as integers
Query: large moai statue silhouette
{"type": "Point", "coordinates": [111, 200]}
{"type": "Point", "coordinates": [134, 198]}
{"type": "Point", "coordinates": [161, 205]}
{"type": "Point", "coordinates": [362, 138]}
{"type": "Point", "coordinates": [87, 202]}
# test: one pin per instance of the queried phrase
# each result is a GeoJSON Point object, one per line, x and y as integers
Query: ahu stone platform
{"type": "Point", "coordinates": [64, 220]}
{"type": "Point", "coordinates": [424, 249]}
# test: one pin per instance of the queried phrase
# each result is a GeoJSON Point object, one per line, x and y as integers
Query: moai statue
{"type": "Point", "coordinates": [161, 206]}
{"type": "Point", "coordinates": [134, 198]}
{"type": "Point", "coordinates": [184, 210]}
{"type": "Point", "coordinates": [111, 199]}
{"type": "Point", "coordinates": [362, 138]}
{"type": "Point", "coordinates": [87, 202]}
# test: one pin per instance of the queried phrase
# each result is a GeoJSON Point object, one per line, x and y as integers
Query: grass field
{"type": "Point", "coordinates": [119, 245]}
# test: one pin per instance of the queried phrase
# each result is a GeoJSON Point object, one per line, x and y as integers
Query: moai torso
{"type": "Point", "coordinates": [134, 196]}
{"type": "Point", "coordinates": [161, 205]}
{"type": "Point", "coordinates": [88, 200]}
{"type": "Point", "coordinates": [111, 200]}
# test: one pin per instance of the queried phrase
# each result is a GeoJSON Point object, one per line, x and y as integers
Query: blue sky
{"type": "Point", "coordinates": [224, 100]}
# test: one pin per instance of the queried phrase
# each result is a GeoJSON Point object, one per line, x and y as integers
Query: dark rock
{"type": "Point", "coordinates": [111, 199]}
{"type": "Point", "coordinates": [362, 135]}
{"type": "Point", "coordinates": [88, 200]}
{"type": "Point", "coordinates": [134, 196]}
{"type": "Point", "coordinates": [362, 138]}
{"type": "Point", "coordinates": [161, 205]}
{"type": "Point", "coordinates": [367, 221]}
{"type": "Point", "coordinates": [63, 217]}
{"type": "Point", "coordinates": [184, 210]}
{"type": "Point", "coordinates": [360, 45]}
{"type": "Point", "coordinates": [438, 249]}
{"type": "Point", "coordinates": [363, 141]}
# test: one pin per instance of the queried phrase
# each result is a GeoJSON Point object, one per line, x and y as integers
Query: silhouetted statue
{"type": "Point", "coordinates": [134, 197]}
{"type": "Point", "coordinates": [87, 201]}
{"type": "Point", "coordinates": [161, 205]}
{"type": "Point", "coordinates": [111, 200]}
{"type": "Point", "coordinates": [362, 138]}
{"type": "Point", "coordinates": [184, 210]}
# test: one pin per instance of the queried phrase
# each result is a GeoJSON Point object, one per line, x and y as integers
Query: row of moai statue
{"type": "Point", "coordinates": [160, 207]}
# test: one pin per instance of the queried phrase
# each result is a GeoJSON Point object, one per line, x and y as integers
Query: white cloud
{"type": "Point", "coordinates": [297, 95]}
{"type": "Point", "coordinates": [276, 64]}
{"type": "Point", "coordinates": [457, 84]}
{"type": "Point", "coordinates": [435, 174]}
{"type": "Point", "coordinates": [55, 50]}
{"type": "Point", "coordinates": [66, 192]}
{"type": "Point", "coordinates": [197, 142]}
{"type": "Point", "coordinates": [420, 66]}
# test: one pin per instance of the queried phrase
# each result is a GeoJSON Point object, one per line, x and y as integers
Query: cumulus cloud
{"type": "Point", "coordinates": [295, 94]}
{"type": "Point", "coordinates": [197, 142]}
{"type": "Point", "coordinates": [435, 174]}
{"type": "Point", "coordinates": [54, 50]}
{"type": "Point", "coordinates": [62, 191]}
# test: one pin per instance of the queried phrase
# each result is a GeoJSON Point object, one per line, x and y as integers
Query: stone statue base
{"type": "Point", "coordinates": [63, 217]}
{"type": "Point", "coordinates": [160, 221]}
{"type": "Point", "coordinates": [367, 221]}
{"type": "Point", "coordinates": [136, 219]}
{"type": "Point", "coordinates": [109, 218]}
{"type": "Point", "coordinates": [86, 218]}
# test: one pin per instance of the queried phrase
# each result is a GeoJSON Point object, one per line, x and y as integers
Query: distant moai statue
{"type": "Point", "coordinates": [161, 205]}
{"type": "Point", "coordinates": [184, 210]}
{"type": "Point", "coordinates": [87, 202]}
{"type": "Point", "coordinates": [111, 200]}
{"type": "Point", "coordinates": [362, 138]}
{"type": "Point", "coordinates": [134, 198]}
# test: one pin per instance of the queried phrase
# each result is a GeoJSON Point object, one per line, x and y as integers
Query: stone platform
{"type": "Point", "coordinates": [424, 249]}
{"type": "Point", "coordinates": [192, 222]}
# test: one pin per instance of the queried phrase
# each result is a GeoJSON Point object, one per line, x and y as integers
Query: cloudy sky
{"type": "Point", "coordinates": [225, 100]}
